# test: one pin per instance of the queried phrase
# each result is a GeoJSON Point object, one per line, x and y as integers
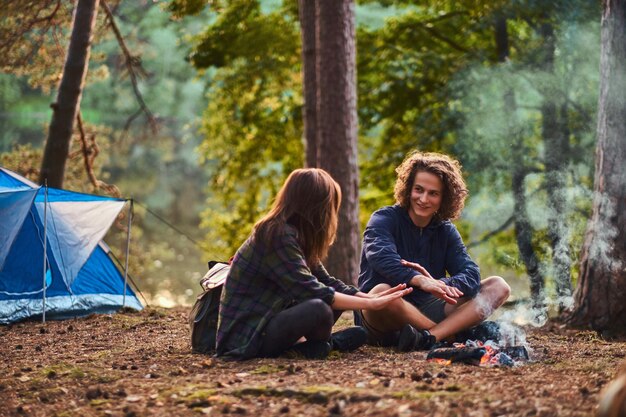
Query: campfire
{"type": "Point", "coordinates": [479, 353]}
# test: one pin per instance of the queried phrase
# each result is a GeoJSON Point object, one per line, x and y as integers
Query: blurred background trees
{"type": "Point", "coordinates": [510, 88]}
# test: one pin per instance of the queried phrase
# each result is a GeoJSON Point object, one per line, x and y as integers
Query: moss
{"type": "Point", "coordinates": [63, 370]}
{"type": "Point", "coordinates": [265, 369]}
{"type": "Point", "coordinates": [200, 395]}
{"type": "Point", "coordinates": [98, 402]}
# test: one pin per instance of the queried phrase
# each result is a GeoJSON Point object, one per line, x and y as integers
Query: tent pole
{"type": "Point", "coordinates": [45, 246]}
{"type": "Point", "coordinates": [130, 220]}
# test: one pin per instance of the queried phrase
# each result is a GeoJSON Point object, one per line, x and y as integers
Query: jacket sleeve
{"type": "Point", "coordinates": [288, 269]}
{"type": "Point", "coordinates": [463, 271]}
{"type": "Point", "coordinates": [325, 278]}
{"type": "Point", "coordinates": [381, 251]}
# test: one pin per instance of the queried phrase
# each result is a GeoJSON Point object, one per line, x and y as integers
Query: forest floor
{"type": "Point", "coordinates": [140, 364]}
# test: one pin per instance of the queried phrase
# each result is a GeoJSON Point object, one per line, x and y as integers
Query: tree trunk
{"type": "Point", "coordinates": [337, 125]}
{"type": "Point", "coordinates": [65, 109]}
{"type": "Point", "coordinates": [519, 171]}
{"type": "Point", "coordinates": [309, 79]}
{"type": "Point", "coordinates": [601, 290]}
{"type": "Point", "coordinates": [556, 141]}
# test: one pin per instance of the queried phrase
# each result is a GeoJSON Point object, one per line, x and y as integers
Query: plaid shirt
{"type": "Point", "coordinates": [265, 279]}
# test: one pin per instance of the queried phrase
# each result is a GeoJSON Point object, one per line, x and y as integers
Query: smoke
{"type": "Point", "coordinates": [605, 233]}
{"type": "Point", "coordinates": [499, 135]}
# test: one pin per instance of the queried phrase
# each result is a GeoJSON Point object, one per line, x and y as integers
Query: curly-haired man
{"type": "Point", "coordinates": [415, 243]}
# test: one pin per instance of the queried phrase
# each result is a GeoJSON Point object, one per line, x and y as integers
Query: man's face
{"type": "Point", "coordinates": [426, 196]}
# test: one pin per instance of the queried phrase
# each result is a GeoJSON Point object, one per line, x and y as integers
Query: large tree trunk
{"type": "Point", "coordinates": [309, 79]}
{"type": "Point", "coordinates": [337, 125]}
{"type": "Point", "coordinates": [601, 290]}
{"type": "Point", "coordinates": [519, 171]}
{"type": "Point", "coordinates": [65, 109]}
{"type": "Point", "coordinates": [556, 141]}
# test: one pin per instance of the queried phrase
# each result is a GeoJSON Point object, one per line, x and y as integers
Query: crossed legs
{"type": "Point", "coordinates": [494, 291]}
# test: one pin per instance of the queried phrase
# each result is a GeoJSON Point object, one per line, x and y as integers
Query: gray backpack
{"type": "Point", "coordinates": [203, 315]}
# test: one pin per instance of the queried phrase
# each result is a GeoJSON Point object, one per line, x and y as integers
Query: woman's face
{"type": "Point", "coordinates": [426, 196]}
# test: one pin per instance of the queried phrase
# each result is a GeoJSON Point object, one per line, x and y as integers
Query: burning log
{"type": "Point", "coordinates": [478, 354]}
{"type": "Point", "coordinates": [458, 354]}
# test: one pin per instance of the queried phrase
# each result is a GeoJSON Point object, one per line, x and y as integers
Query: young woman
{"type": "Point", "coordinates": [415, 243]}
{"type": "Point", "coordinates": [278, 293]}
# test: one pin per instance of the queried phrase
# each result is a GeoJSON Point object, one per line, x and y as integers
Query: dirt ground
{"type": "Point", "coordinates": [140, 364]}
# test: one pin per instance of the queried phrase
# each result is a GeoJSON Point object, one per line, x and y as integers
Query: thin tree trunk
{"type": "Point", "coordinates": [601, 290]}
{"type": "Point", "coordinates": [65, 109]}
{"type": "Point", "coordinates": [337, 125]}
{"type": "Point", "coordinates": [556, 142]}
{"type": "Point", "coordinates": [519, 171]}
{"type": "Point", "coordinates": [309, 79]}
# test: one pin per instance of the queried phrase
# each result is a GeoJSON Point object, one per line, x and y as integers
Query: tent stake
{"type": "Point", "coordinates": [130, 220]}
{"type": "Point", "coordinates": [45, 246]}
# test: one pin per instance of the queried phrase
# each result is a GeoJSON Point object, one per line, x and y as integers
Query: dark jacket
{"type": "Point", "coordinates": [391, 235]}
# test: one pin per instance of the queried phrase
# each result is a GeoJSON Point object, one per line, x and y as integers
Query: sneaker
{"type": "Point", "coordinates": [413, 339]}
{"type": "Point", "coordinates": [348, 339]}
{"type": "Point", "coordinates": [487, 330]}
{"type": "Point", "coordinates": [311, 349]}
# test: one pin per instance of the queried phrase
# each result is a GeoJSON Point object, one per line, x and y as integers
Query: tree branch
{"type": "Point", "coordinates": [133, 65]}
{"type": "Point", "coordinates": [491, 234]}
{"type": "Point", "coordinates": [90, 152]}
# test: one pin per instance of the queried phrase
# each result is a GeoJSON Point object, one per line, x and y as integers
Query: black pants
{"type": "Point", "coordinates": [312, 319]}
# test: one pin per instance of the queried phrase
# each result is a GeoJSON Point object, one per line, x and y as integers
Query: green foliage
{"type": "Point", "coordinates": [252, 125]}
{"type": "Point", "coordinates": [159, 170]}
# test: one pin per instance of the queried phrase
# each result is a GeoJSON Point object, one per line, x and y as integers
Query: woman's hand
{"type": "Point", "coordinates": [382, 299]}
{"type": "Point", "coordinates": [427, 283]}
{"type": "Point", "coordinates": [363, 301]}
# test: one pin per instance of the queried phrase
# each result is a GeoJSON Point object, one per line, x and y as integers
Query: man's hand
{"type": "Point", "coordinates": [427, 283]}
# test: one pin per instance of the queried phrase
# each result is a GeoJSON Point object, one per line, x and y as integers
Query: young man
{"type": "Point", "coordinates": [415, 243]}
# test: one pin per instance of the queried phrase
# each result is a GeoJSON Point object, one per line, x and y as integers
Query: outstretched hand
{"type": "Point", "coordinates": [427, 283]}
{"type": "Point", "coordinates": [380, 300]}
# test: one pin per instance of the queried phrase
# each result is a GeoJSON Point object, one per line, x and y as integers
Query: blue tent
{"type": "Point", "coordinates": [80, 276]}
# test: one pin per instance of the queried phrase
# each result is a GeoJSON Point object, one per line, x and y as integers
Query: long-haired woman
{"type": "Point", "coordinates": [278, 296]}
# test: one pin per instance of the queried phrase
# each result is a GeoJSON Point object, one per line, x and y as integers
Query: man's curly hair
{"type": "Point", "coordinates": [446, 168]}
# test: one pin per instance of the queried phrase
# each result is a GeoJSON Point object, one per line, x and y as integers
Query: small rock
{"type": "Point", "coordinates": [319, 398]}
{"type": "Point", "coordinates": [93, 393]}
{"type": "Point", "coordinates": [427, 374]}
{"type": "Point", "coordinates": [337, 408]}
{"type": "Point", "coordinates": [441, 375]}
{"type": "Point", "coordinates": [284, 409]}
{"type": "Point", "coordinates": [240, 410]}
{"type": "Point", "coordinates": [51, 374]}
{"type": "Point", "coordinates": [134, 367]}
{"type": "Point", "coordinates": [416, 377]}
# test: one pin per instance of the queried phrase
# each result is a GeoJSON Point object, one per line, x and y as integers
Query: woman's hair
{"type": "Point", "coordinates": [446, 168]}
{"type": "Point", "coordinates": [309, 201]}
